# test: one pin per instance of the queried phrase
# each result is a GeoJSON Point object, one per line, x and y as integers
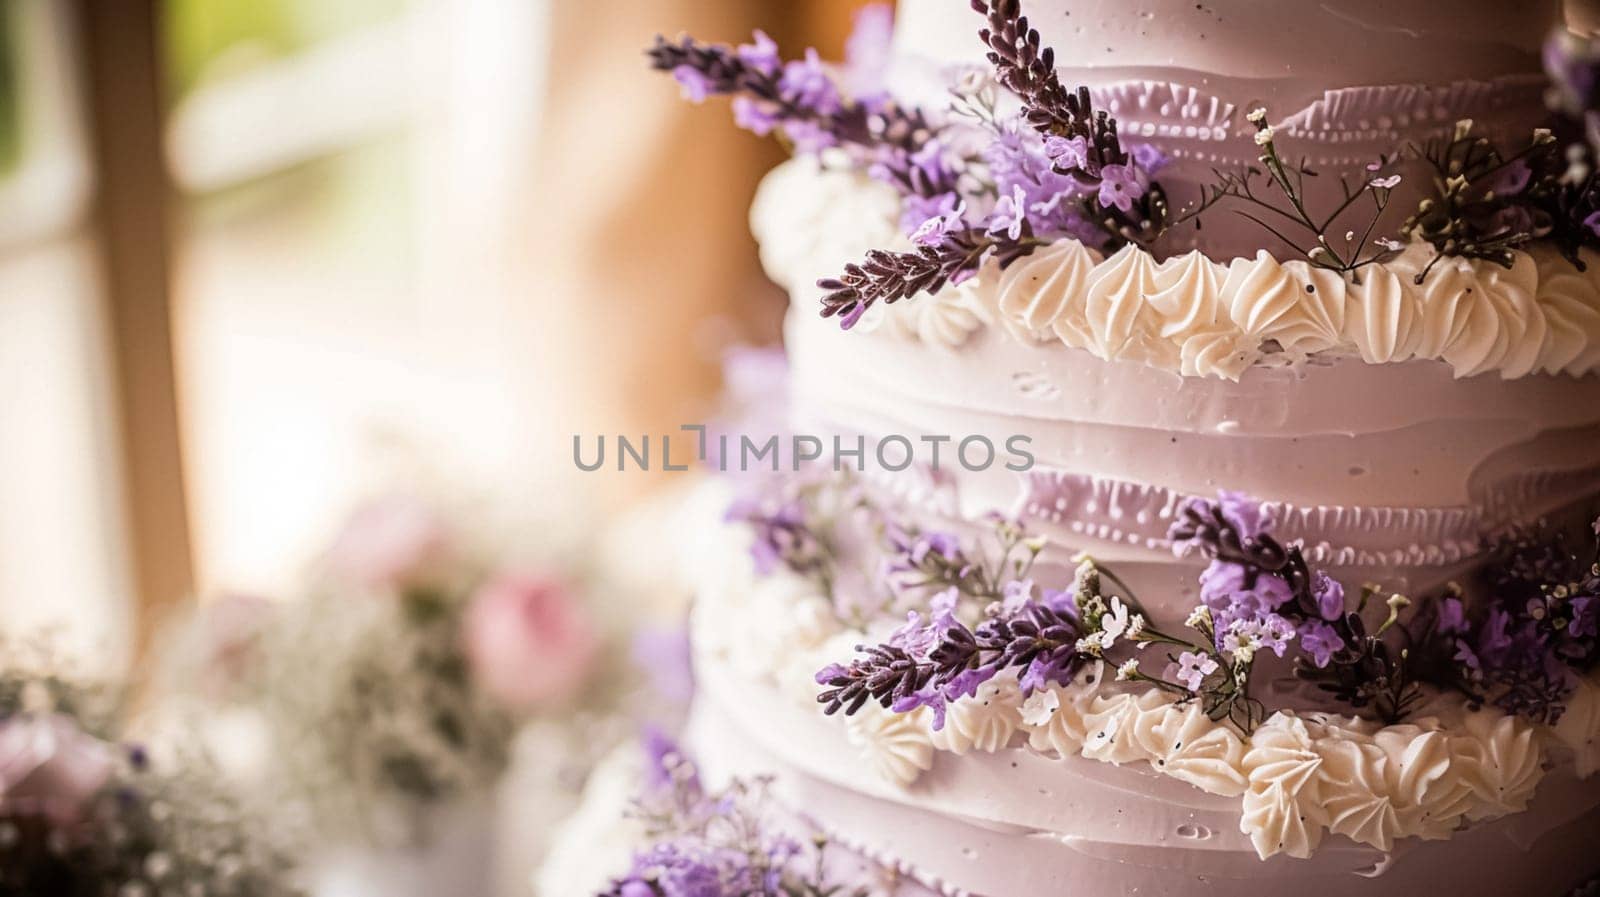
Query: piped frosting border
{"type": "Point", "coordinates": [1194, 316]}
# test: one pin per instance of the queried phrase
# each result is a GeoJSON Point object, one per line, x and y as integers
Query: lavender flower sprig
{"type": "Point", "coordinates": [704, 842]}
{"type": "Point", "coordinates": [1262, 594]}
{"type": "Point", "coordinates": [1540, 627]}
{"type": "Point", "coordinates": [801, 101]}
{"type": "Point", "coordinates": [1082, 141]}
{"type": "Point", "coordinates": [889, 277]}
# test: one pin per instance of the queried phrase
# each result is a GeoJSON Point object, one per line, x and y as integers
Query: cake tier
{"type": "Point", "coordinates": [1345, 82]}
{"type": "Point", "coordinates": [1014, 823]}
{"type": "Point", "coordinates": [1330, 44]}
{"type": "Point", "coordinates": [1393, 474]}
{"type": "Point", "coordinates": [1118, 791]}
{"type": "Point", "coordinates": [1391, 427]}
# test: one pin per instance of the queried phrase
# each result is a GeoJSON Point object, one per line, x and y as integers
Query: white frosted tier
{"type": "Point", "coordinates": [1015, 817]}
{"type": "Point", "coordinates": [1335, 43]}
{"type": "Point", "coordinates": [1343, 81]}
{"type": "Point", "coordinates": [1393, 473]}
{"type": "Point", "coordinates": [1014, 823]}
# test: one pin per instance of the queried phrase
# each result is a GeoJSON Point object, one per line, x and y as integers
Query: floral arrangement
{"type": "Point", "coordinates": [85, 815]}
{"type": "Point", "coordinates": [400, 680]}
{"type": "Point", "coordinates": [976, 611]}
{"type": "Point", "coordinates": [979, 186]}
{"type": "Point", "coordinates": [704, 842]}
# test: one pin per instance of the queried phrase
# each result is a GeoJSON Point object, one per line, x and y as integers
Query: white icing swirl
{"type": "Point", "coordinates": [1194, 749]}
{"type": "Point", "coordinates": [1500, 759]}
{"type": "Point", "coordinates": [946, 318]}
{"type": "Point", "coordinates": [1038, 295]}
{"type": "Point", "coordinates": [1187, 296]}
{"type": "Point", "coordinates": [1382, 317]}
{"type": "Point", "coordinates": [1299, 307]}
{"type": "Point", "coordinates": [1504, 328]}
{"type": "Point", "coordinates": [1114, 304]}
{"type": "Point", "coordinates": [1283, 811]}
{"type": "Point", "coordinates": [811, 219]}
{"type": "Point", "coordinates": [895, 746]}
{"type": "Point", "coordinates": [1570, 301]}
{"type": "Point", "coordinates": [1054, 717]}
{"type": "Point", "coordinates": [1578, 730]}
{"type": "Point", "coordinates": [1119, 727]}
{"type": "Point", "coordinates": [983, 722]}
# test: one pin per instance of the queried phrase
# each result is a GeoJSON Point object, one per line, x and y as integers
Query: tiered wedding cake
{"type": "Point", "coordinates": [1246, 557]}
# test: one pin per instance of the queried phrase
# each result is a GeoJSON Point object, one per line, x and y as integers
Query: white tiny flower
{"type": "Point", "coordinates": [1035, 544]}
{"type": "Point", "coordinates": [1244, 652]}
{"type": "Point", "coordinates": [1093, 644]}
{"type": "Point", "coordinates": [1136, 626]}
{"type": "Point", "coordinates": [1114, 623]}
{"type": "Point", "coordinates": [1128, 670]}
{"type": "Point", "coordinates": [1040, 706]}
{"type": "Point", "coordinates": [1542, 136]}
{"type": "Point", "coordinates": [1198, 617]}
{"type": "Point", "coordinates": [1257, 115]}
{"type": "Point", "coordinates": [1264, 136]}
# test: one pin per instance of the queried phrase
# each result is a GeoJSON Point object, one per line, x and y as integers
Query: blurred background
{"type": "Point", "coordinates": [257, 256]}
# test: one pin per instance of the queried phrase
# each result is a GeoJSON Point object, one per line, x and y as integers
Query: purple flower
{"type": "Point", "coordinates": [1320, 641]}
{"type": "Point", "coordinates": [755, 116]}
{"type": "Point", "coordinates": [1452, 617]}
{"type": "Point", "coordinates": [1246, 515]}
{"type": "Point", "coordinates": [1119, 186]}
{"type": "Point", "coordinates": [696, 86]}
{"type": "Point", "coordinates": [1236, 592]}
{"type": "Point", "coordinates": [1585, 617]}
{"type": "Point", "coordinates": [1010, 213]}
{"type": "Point", "coordinates": [1147, 158]}
{"type": "Point", "coordinates": [1328, 593]}
{"type": "Point", "coordinates": [636, 888]}
{"type": "Point", "coordinates": [761, 54]}
{"type": "Point", "coordinates": [1274, 633]}
{"type": "Point", "coordinates": [1068, 153]}
{"type": "Point", "coordinates": [809, 137]}
{"type": "Point", "coordinates": [662, 758]}
{"type": "Point", "coordinates": [806, 84]}
{"type": "Point", "coordinates": [1494, 639]}
{"type": "Point", "coordinates": [1192, 669]}
{"type": "Point", "coordinates": [867, 52]}
{"type": "Point", "coordinates": [680, 871]}
{"type": "Point", "coordinates": [1574, 69]}
{"type": "Point", "coordinates": [1592, 222]}
{"type": "Point", "coordinates": [933, 218]}
{"type": "Point", "coordinates": [662, 654]}
{"type": "Point", "coordinates": [1509, 180]}
{"type": "Point", "coordinates": [782, 535]}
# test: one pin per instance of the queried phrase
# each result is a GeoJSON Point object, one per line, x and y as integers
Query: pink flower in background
{"type": "Point", "coordinates": [388, 542]}
{"type": "Point", "coordinates": [49, 767]}
{"type": "Point", "coordinates": [529, 641]}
